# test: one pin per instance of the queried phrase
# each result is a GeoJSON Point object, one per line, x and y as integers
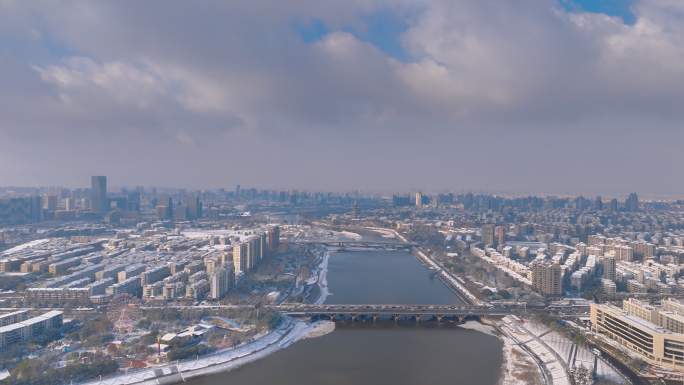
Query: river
{"type": "Point", "coordinates": [384, 353]}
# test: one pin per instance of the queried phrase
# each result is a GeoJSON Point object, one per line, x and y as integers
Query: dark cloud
{"type": "Point", "coordinates": [485, 95]}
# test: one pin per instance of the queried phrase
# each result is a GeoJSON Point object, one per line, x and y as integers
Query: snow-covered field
{"type": "Point", "coordinates": [23, 246]}
{"type": "Point", "coordinates": [289, 332]}
{"type": "Point", "coordinates": [574, 355]}
{"type": "Point", "coordinates": [385, 233]}
{"type": "Point", "coordinates": [321, 274]}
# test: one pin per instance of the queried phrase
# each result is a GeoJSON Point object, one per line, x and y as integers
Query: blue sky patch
{"type": "Point", "coordinates": [619, 8]}
{"type": "Point", "coordinates": [312, 31]}
{"type": "Point", "coordinates": [382, 29]}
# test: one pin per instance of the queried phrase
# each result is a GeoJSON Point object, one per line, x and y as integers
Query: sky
{"type": "Point", "coordinates": [538, 96]}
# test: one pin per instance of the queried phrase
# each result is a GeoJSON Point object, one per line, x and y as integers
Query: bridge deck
{"type": "Point", "coordinates": [445, 310]}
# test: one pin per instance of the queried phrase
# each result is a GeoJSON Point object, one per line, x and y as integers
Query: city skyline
{"type": "Point", "coordinates": [551, 96]}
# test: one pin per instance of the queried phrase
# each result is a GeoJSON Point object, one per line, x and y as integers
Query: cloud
{"type": "Point", "coordinates": [200, 81]}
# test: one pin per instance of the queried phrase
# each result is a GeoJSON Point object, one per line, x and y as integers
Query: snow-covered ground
{"type": "Point", "coordinates": [319, 329]}
{"type": "Point", "coordinates": [349, 235]}
{"type": "Point", "coordinates": [321, 275]}
{"type": "Point", "coordinates": [556, 352]}
{"type": "Point", "coordinates": [514, 328]}
{"type": "Point", "coordinates": [479, 327]}
{"type": "Point", "coordinates": [385, 233]}
{"type": "Point", "coordinates": [574, 355]}
{"type": "Point", "coordinates": [289, 332]}
{"type": "Point", "coordinates": [23, 246]}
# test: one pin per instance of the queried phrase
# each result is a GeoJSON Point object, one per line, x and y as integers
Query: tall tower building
{"type": "Point", "coordinates": [98, 194]}
{"type": "Point", "coordinates": [608, 263]}
{"type": "Point", "coordinates": [500, 232]}
{"type": "Point", "coordinates": [240, 257]}
{"type": "Point", "coordinates": [419, 199]}
{"type": "Point", "coordinates": [632, 202]}
{"type": "Point", "coordinates": [194, 207]}
{"type": "Point", "coordinates": [221, 281]}
{"type": "Point", "coordinates": [488, 234]}
{"type": "Point", "coordinates": [273, 238]}
{"type": "Point", "coordinates": [547, 278]}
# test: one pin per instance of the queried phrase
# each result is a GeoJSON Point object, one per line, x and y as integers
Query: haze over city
{"type": "Point", "coordinates": [532, 96]}
{"type": "Point", "coordinates": [404, 192]}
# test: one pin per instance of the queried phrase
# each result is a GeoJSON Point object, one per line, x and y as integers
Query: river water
{"type": "Point", "coordinates": [384, 353]}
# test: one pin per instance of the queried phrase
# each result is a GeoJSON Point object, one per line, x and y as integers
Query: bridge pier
{"type": "Point", "coordinates": [439, 318]}
{"type": "Point", "coordinates": [375, 318]}
{"type": "Point", "coordinates": [418, 317]}
{"type": "Point", "coordinates": [353, 318]}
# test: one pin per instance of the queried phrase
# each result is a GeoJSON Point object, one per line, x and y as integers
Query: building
{"type": "Point", "coordinates": [419, 199]}
{"type": "Point", "coordinates": [57, 295]}
{"type": "Point", "coordinates": [13, 317]}
{"type": "Point", "coordinates": [130, 272]}
{"type": "Point", "coordinates": [488, 234]}
{"type": "Point", "coordinates": [30, 328]}
{"type": "Point", "coordinates": [608, 264]}
{"type": "Point", "coordinates": [153, 290]}
{"type": "Point", "coordinates": [547, 278]}
{"type": "Point", "coordinates": [58, 268]}
{"type": "Point", "coordinates": [50, 202]}
{"type": "Point", "coordinates": [197, 290]}
{"type": "Point", "coordinates": [263, 246]}
{"type": "Point", "coordinates": [130, 286]}
{"type": "Point", "coordinates": [99, 287]}
{"type": "Point", "coordinates": [221, 281]}
{"type": "Point", "coordinates": [500, 233]}
{"type": "Point", "coordinates": [155, 274]}
{"type": "Point", "coordinates": [651, 342]}
{"type": "Point", "coordinates": [632, 202]}
{"type": "Point", "coordinates": [21, 210]}
{"type": "Point", "coordinates": [98, 195]}
{"type": "Point", "coordinates": [609, 287]}
{"type": "Point", "coordinates": [240, 258]}
{"type": "Point", "coordinates": [194, 206]}
{"type": "Point", "coordinates": [273, 238]}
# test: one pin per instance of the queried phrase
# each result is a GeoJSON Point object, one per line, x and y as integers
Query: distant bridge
{"type": "Point", "coordinates": [358, 244]}
{"type": "Point", "coordinates": [417, 312]}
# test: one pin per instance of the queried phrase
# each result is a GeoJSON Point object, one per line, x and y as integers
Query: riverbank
{"type": "Point", "coordinates": [453, 282]}
{"type": "Point", "coordinates": [287, 333]}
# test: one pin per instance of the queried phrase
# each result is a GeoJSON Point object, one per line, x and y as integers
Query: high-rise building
{"type": "Point", "coordinates": [221, 281]}
{"type": "Point", "coordinates": [50, 202]}
{"type": "Point", "coordinates": [632, 202]}
{"type": "Point", "coordinates": [419, 199]}
{"type": "Point", "coordinates": [273, 238]}
{"type": "Point", "coordinates": [165, 209]}
{"type": "Point", "coordinates": [488, 234]}
{"type": "Point", "coordinates": [263, 246]}
{"type": "Point", "coordinates": [240, 257]}
{"type": "Point", "coordinates": [614, 205]}
{"type": "Point", "coordinates": [180, 212]}
{"type": "Point", "coordinates": [98, 194]}
{"type": "Point", "coordinates": [500, 233]}
{"type": "Point", "coordinates": [547, 278]}
{"type": "Point", "coordinates": [194, 206]}
{"type": "Point", "coordinates": [69, 204]}
{"type": "Point", "coordinates": [20, 210]}
{"type": "Point", "coordinates": [608, 263]}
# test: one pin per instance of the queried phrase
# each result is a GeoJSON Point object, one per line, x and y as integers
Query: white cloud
{"type": "Point", "coordinates": [163, 73]}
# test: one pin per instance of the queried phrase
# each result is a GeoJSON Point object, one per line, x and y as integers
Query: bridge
{"type": "Point", "coordinates": [357, 244]}
{"type": "Point", "coordinates": [374, 311]}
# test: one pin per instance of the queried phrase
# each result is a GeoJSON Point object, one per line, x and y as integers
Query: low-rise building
{"type": "Point", "coordinates": [29, 328]}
